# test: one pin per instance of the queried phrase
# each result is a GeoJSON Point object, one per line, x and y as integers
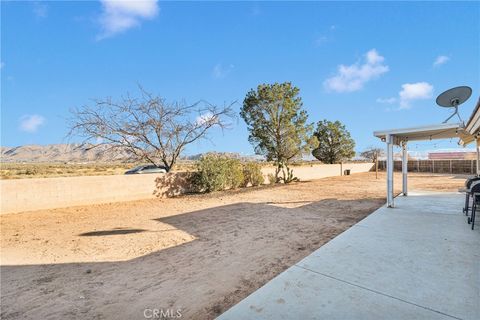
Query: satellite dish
{"type": "Point", "coordinates": [454, 97]}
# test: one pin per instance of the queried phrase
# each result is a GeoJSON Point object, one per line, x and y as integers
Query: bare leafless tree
{"type": "Point", "coordinates": [146, 127]}
{"type": "Point", "coordinates": [373, 153]}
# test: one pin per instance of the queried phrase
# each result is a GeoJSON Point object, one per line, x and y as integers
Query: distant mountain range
{"type": "Point", "coordinates": [60, 153]}
{"type": "Point", "coordinates": [77, 153]}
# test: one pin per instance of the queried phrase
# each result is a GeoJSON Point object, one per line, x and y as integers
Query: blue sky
{"type": "Point", "coordinates": [370, 65]}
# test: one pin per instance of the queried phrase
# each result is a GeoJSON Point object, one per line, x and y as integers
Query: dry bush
{"type": "Point", "coordinates": [252, 174]}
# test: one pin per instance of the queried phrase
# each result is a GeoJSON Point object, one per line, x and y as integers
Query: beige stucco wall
{"type": "Point", "coordinates": [46, 193]}
{"type": "Point", "coordinates": [318, 171]}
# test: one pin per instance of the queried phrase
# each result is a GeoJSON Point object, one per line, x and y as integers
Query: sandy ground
{"type": "Point", "coordinates": [196, 254]}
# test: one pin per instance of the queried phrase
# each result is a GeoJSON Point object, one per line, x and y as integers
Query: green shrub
{"type": "Point", "coordinates": [252, 174]}
{"type": "Point", "coordinates": [216, 173]}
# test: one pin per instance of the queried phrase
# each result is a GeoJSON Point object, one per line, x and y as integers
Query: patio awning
{"type": "Point", "coordinates": [473, 125]}
{"type": "Point", "coordinates": [402, 136]}
{"type": "Point", "coordinates": [428, 132]}
{"type": "Point", "coordinates": [464, 133]}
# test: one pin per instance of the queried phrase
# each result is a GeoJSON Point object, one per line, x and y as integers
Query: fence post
{"type": "Point", "coordinates": [471, 166]}
{"type": "Point", "coordinates": [450, 166]}
{"type": "Point", "coordinates": [433, 166]}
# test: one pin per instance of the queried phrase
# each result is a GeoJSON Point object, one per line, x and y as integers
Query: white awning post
{"type": "Point", "coordinates": [404, 168]}
{"type": "Point", "coordinates": [389, 140]}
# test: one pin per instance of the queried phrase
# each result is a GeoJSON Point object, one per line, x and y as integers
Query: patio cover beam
{"type": "Point", "coordinates": [429, 132]}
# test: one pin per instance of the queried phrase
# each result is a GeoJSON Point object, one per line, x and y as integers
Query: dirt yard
{"type": "Point", "coordinates": [196, 254]}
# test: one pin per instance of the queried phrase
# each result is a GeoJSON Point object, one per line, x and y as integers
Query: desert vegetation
{"type": "Point", "coordinates": [215, 173]}
{"type": "Point", "coordinates": [278, 126]}
{"type": "Point", "coordinates": [334, 142]}
{"type": "Point", "coordinates": [148, 129]}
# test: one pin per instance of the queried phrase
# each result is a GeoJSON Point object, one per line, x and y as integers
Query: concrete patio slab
{"type": "Point", "coordinates": [418, 260]}
{"type": "Point", "coordinates": [328, 298]}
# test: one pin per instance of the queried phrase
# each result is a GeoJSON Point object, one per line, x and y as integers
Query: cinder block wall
{"type": "Point", "coordinates": [47, 193]}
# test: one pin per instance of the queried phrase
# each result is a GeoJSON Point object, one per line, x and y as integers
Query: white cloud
{"type": "Point", "coordinates": [120, 15]}
{"type": "Point", "coordinates": [374, 58]}
{"type": "Point", "coordinates": [391, 100]}
{"type": "Point", "coordinates": [40, 10]}
{"type": "Point", "coordinates": [440, 60]}
{"type": "Point", "coordinates": [220, 71]}
{"type": "Point", "coordinates": [414, 91]}
{"type": "Point", "coordinates": [354, 77]}
{"type": "Point", "coordinates": [31, 122]}
{"type": "Point", "coordinates": [204, 118]}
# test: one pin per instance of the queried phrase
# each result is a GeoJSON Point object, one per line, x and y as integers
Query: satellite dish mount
{"type": "Point", "coordinates": [452, 98]}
